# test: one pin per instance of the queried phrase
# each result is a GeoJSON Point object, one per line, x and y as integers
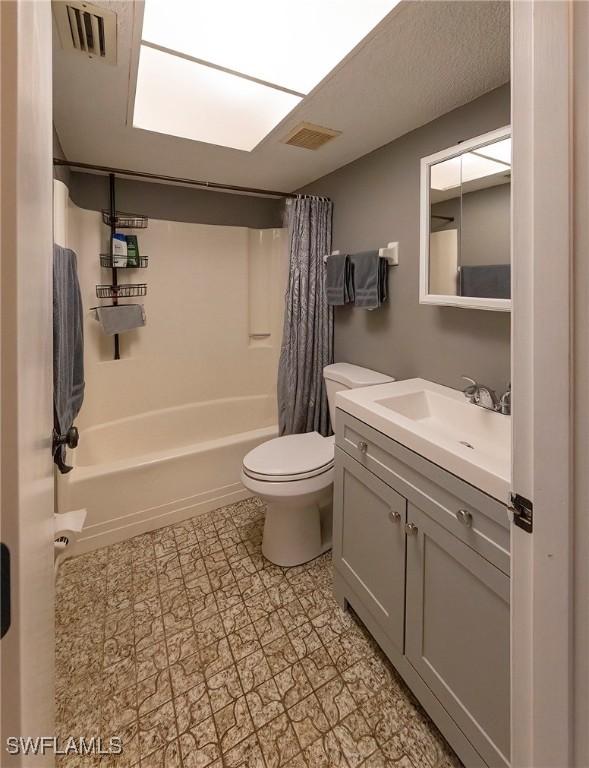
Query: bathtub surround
{"type": "Point", "coordinates": [376, 199]}
{"type": "Point", "coordinates": [191, 647]}
{"type": "Point", "coordinates": [214, 308]}
{"type": "Point", "coordinates": [194, 390]}
{"type": "Point", "coordinates": [307, 337]}
{"type": "Point", "coordinates": [118, 319]}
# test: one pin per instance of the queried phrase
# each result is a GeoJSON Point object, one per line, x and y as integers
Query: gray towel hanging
{"type": "Point", "coordinates": [120, 318]}
{"type": "Point", "coordinates": [68, 347]}
{"type": "Point", "coordinates": [339, 284]}
{"type": "Point", "coordinates": [370, 279]}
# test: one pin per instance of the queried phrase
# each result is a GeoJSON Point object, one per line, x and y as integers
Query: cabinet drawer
{"type": "Point", "coordinates": [474, 517]}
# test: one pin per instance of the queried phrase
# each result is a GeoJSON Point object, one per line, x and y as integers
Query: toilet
{"type": "Point", "coordinates": [293, 475]}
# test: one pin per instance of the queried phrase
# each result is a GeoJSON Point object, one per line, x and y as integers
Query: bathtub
{"type": "Point", "coordinates": [147, 471]}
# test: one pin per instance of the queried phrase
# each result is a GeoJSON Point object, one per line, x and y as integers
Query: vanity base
{"type": "Point", "coordinates": [423, 559]}
{"type": "Point", "coordinates": [347, 597]}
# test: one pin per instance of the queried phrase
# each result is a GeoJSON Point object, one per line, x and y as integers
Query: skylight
{"type": "Point", "coordinates": [227, 72]}
{"type": "Point", "coordinates": [291, 44]}
{"type": "Point", "coordinates": [181, 98]}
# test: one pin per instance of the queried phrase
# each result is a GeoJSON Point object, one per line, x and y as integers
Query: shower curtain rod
{"type": "Point", "coordinates": [189, 182]}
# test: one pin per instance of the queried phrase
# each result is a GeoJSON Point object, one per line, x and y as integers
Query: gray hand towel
{"type": "Point", "coordinates": [370, 279]}
{"type": "Point", "coordinates": [491, 281]}
{"type": "Point", "coordinates": [68, 346]}
{"type": "Point", "coordinates": [339, 286]}
{"type": "Point", "coordinates": [123, 317]}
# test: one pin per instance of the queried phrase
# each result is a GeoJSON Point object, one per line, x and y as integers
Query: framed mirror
{"type": "Point", "coordinates": [465, 223]}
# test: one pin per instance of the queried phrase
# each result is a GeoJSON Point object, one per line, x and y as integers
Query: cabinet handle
{"type": "Point", "coordinates": [410, 529]}
{"type": "Point", "coordinates": [394, 515]}
{"type": "Point", "coordinates": [362, 446]}
{"type": "Point", "coordinates": [465, 517]}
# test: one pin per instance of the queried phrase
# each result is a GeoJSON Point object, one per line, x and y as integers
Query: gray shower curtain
{"type": "Point", "coordinates": [307, 340]}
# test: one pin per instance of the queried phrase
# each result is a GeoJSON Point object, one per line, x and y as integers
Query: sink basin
{"type": "Point", "coordinates": [438, 423]}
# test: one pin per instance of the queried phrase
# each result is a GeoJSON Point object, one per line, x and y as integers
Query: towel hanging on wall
{"type": "Point", "coordinates": [369, 273]}
{"type": "Point", "coordinates": [120, 318]}
{"type": "Point", "coordinates": [68, 347]}
{"type": "Point", "coordinates": [339, 283]}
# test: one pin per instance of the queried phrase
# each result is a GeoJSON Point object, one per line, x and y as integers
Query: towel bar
{"type": "Point", "coordinates": [390, 253]}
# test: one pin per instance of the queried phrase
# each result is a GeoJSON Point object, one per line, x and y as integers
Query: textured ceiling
{"type": "Point", "coordinates": [425, 59]}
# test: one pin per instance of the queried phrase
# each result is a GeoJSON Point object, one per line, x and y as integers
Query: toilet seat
{"type": "Point", "coordinates": [293, 475]}
{"type": "Point", "coordinates": [290, 458]}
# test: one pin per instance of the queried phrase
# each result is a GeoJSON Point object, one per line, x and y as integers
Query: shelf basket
{"type": "Point", "coordinates": [124, 220]}
{"type": "Point", "coordinates": [106, 261]}
{"type": "Point", "coordinates": [122, 291]}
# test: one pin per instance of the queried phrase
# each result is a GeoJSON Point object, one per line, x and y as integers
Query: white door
{"type": "Point", "coordinates": [26, 372]}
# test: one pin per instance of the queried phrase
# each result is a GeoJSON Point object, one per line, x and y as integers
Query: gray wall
{"type": "Point", "coordinates": [485, 226]}
{"type": "Point", "coordinates": [175, 203]}
{"type": "Point", "coordinates": [483, 219]}
{"type": "Point", "coordinates": [376, 199]}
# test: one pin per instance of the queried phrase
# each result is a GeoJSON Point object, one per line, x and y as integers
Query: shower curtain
{"type": "Point", "coordinates": [307, 340]}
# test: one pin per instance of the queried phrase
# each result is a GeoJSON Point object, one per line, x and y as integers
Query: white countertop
{"type": "Point", "coordinates": [439, 424]}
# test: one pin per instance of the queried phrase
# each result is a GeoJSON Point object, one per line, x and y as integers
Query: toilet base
{"type": "Point", "coordinates": [297, 530]}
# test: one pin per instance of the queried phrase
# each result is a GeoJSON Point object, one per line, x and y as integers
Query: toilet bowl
{"type": "Point", "coordinates": [293, 475]}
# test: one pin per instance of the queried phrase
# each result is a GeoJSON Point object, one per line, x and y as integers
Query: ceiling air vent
{"type": "Point", "coordinates": [88, 29]}
{"type": "Point", "coordinates": [309, 136]}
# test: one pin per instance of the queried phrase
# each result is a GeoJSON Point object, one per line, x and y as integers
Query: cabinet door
{"type": "Point", "coordinates": [369, 543]}
{"type": "Point", "coordinates": [458, 632]}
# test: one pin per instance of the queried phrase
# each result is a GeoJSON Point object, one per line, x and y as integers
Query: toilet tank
{"type": "Point", "coordinates": [340, 376]}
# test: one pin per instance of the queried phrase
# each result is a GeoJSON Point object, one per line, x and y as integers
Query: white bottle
{"type": "Point", "coordinates": [119, 250]}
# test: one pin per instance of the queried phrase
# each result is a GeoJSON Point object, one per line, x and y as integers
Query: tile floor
{"type": "Point", "coordinates": [198, 652]}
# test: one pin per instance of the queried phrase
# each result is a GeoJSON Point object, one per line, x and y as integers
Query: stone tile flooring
{"type": "Point", "coordinates": [198, 652]}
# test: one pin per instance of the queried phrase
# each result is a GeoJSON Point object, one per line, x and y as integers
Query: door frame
{"type": "Point", "coordinates": [26, 412]}
{"type": "Point", "coordinates": [546, 77]}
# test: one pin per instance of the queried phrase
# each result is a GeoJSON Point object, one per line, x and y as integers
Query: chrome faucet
{"type": "Point", "coordinates": [485, 397]}
{"type": "Point", "coordinates": [505, 401]}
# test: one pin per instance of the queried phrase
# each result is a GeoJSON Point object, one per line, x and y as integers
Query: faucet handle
{"type": "Point", "coordinates": [505, 401]}
{"type": "Point", "coordinates": [471, 390]}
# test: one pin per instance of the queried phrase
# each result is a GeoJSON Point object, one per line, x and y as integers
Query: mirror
{"type": "Point", "coordinates": [465, 224]}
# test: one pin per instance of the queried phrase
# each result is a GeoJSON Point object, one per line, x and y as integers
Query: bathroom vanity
{"type": "Point", "coordinates": [422, 551]}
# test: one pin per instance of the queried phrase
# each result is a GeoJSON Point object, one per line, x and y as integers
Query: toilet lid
{"type": "Point", "coordinates": [291, 456]}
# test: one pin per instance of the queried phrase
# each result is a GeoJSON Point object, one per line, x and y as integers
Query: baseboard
{"type": "Point", "coordinates": [119, 529]}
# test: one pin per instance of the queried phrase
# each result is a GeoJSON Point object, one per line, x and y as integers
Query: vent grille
{"type": "Point", "coordinates": [309, 136]}
{"type": "Point", "coordinates": [87, 29]}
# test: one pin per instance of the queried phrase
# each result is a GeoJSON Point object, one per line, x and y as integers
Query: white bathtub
{"type": "Point", "coordinates": [147, 471]}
